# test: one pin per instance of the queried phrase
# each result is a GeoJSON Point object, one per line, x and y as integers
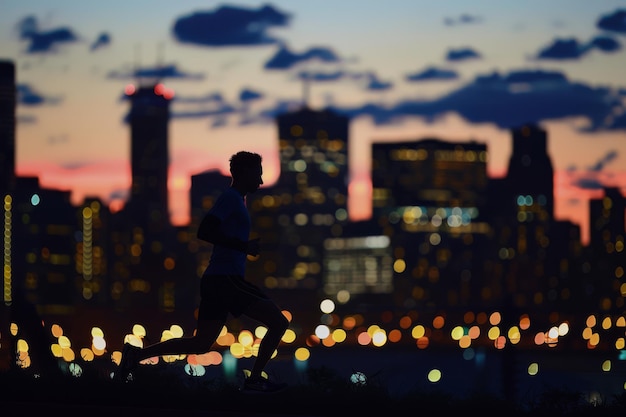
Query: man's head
{"type": "Point", "coordinates": [246, 170]}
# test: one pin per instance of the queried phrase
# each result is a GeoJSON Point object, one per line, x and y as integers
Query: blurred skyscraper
{"type": "Point", "coordinates": [8, 97]}
{"type": "Point", "coordinates": [145, 269]}
{"type": "Point", "coordinates": [307, 204]}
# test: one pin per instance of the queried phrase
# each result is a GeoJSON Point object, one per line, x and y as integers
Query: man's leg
{"type": "Point", "coordinates": [268, 313]}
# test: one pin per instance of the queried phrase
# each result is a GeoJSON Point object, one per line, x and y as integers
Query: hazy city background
{"type": "Point", "coordinates": [454, 197]}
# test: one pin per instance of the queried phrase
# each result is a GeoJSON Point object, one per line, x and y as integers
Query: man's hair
{"type": "Point", "coordinates": [243, 161]}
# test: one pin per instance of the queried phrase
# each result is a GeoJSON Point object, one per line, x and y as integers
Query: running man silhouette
{"type": "Point", "coordinates": [223, 287]}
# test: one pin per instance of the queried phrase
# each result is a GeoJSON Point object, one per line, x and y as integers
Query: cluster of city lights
{"type": "Point", "coordinates": [335, 331]}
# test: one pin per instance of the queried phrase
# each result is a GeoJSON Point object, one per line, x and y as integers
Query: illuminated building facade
{"type": "Point", "coordinates": [307, 204]}
{"type": "Point", "coordinates": [429, 173]}
{"type": "Point", "coordinates": [608, 257]}
{"type": "Point", "coordinates": [43, 230]}
{"type": "Point", "coordinates": [93, 251]}
{"type": "Point", "coordinates": [428, 198]}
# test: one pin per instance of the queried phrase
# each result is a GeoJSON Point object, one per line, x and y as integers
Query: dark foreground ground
{"type": "Point", "coordinates": [322, 393]}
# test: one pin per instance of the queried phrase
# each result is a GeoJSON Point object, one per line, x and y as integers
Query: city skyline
{"type": "Point", "coordinates": [424, 71]}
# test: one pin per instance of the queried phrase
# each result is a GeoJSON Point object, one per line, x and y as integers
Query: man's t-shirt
{"type": "Point", "coordinates": [230, 208]}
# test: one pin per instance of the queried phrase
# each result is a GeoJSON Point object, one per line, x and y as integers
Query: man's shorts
{"type": "Point", "coordinates": [223, 294]}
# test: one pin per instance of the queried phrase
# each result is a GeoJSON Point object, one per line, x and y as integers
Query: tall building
{"type": "Point", "coordinates": [7, 171]}
{"type": "Point", "coordinates": [606, 218]}
{"type": "Point", "coordinates": [530, 174]}
{"type": "Point", "coordinates": [429, 173]}
{"type": "Point", "coordinates": [144, 247]}
{"type": "Point", "coordinates": [307, 204]}
{"type": "Point", "coordinates": [526, 236]}
{"type": "Point", "coordinates": [149, 151]}
{"type": "Point", "coordinates": [7, 125]}
{"type": "Point", "coordinates": [428, 197]}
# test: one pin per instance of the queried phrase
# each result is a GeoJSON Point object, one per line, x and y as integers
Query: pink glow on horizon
{"type": "Point", "coordinates": [110, 181]}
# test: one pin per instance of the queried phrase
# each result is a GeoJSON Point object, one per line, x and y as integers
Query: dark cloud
{"type": "Point", "coordinates": [462, 54]}
{"type": "Point", "coordinates": [375, 84]}
{"type": "Point", "coordinates": [605, 44]}
{"type": "Point", "coordinates": [507, 101]}
{"type": "Point", "coordinates": [43, 41]}
{"type": "Point", "coordinates": [158, 72]}
{"type": "Point", "coordinates": [463, 19]}
{"type": "Point", "coordinates": [589, 183]}
{"type": "Point", "coordinates": [571, 48]}
{"type": "Point", "coordinates": [248, 95]}
{"type": "Point", "coordinates": [27, 96]}
{"type": "Point", "coordinates": [102, 40]}
{"type": "Point", "coordinates": [432, 74]}
{"type": "Point", "coordinates": [614, 22]}
{"type": "Point", "coordinates": [229, 26]}
{"type": "Point", "coordinates": [285, 59]}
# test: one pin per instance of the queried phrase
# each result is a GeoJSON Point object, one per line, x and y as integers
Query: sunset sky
{"type": "Point", "coordinates": [403, 70]}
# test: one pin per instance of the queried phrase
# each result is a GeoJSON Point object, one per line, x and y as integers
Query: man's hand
{"type": "Point", "coordinates": [253, 247]}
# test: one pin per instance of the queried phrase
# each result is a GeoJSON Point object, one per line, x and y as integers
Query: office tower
{"type": "Point", "coordinates": [307, 204]}
{"type": "Point", "coordinates": [149, 151]}
{"type": "Point", "coordinates": [606, 220]}
{"type": "Point", "coordinates": [429, 173]}
{"type": "Point", "coordinates": [526, 241]}
{"type": "Point", "coordinates": [428, 197]}
{"type": "Point", "coordinates": [7, 126]}
{"type": "Point", "coordinates": [530, 175]}
{"type": "Point", "coordinates": [145, 254]}
{"type": "Point", "coordinates": [605, 278]}
{"type": "Point", "coordinates": [44, 237]}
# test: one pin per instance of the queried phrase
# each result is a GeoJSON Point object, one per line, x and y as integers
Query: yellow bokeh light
{"type": "Point", "coordinates": [260, 332]}
{"type": "Point", "coordinates": [245, 338]}
{"type": "Point", "coordinates": [606, 365]}
{"type": "Point", "coordinates": [302, 354]}
{"type": "Point", "coordinates": [418, 331]}
{"type": "Point", "coordinates": [57, 350]}
{"type": "Point", "coordinates": [139, 331]}
{"type": "Point", "coordinates": [176, 331]}
{"type": "Point", "coordinates": [493, 333]}
{"type": "Point", "coordinates": [339, 335]}
{"type": "Point", "coordinates": [289, 336]}
{"type": "Point", "coordinates": [22, 345]}
{"type": "Point", "coordinates": [237, 350]}
{"type": "Point", "coordinates": [64, 342]}
{"type": "Point", "coordinates": [434, 375]}
{"type": "Point", "coordinates": [457, 333]}
{"type": "Point", "coordinates": [133, 340]}
{"type": "Point", "coordinates": [533, 369]}
{"type": "Point", "coordinates": [97, 332]}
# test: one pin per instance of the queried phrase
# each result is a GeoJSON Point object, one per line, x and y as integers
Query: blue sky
{"type": "Point", "coordinates": [456, 70]}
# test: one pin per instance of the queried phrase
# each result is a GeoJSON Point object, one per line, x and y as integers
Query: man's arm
{"type": "Point", "coordinates": [210, 230]}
